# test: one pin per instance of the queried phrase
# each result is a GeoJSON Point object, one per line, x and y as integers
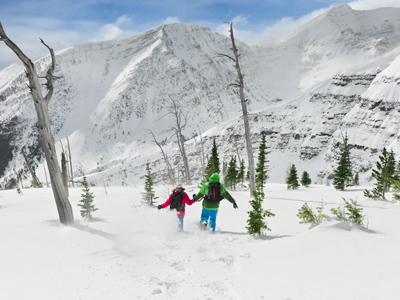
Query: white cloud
{"type": "Point", "coordinates": [372, 4]}
{"type": "Point", "coordinates": [107, 32]}
{"type": "Point", "coordinates": [124, 21]}
{"type": "Point", "coordinates": [240, 21]}
{"type": "Point", "coordinates": [288, 24]}
{"type": "Point", "coordinates": [171, 20]}
{"type": "Point", "coordinates": [283, 25]}
{"type": "Point", "coordinates": [121, 28]}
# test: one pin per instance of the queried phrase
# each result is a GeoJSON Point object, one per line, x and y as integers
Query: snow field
{"type": "Point", "coordinates": [130, 251]}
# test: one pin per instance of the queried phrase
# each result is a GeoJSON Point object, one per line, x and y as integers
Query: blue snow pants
{"type": "Point", "coordinates": [210, 217]}
{"type": "Point", "coordinates": [180, 224]}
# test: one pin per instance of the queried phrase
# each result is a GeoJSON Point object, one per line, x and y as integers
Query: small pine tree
{"type": "Point", "coordinates": [308, 216]}
{"type": "Point", "coordinates": [19, 191]}
{"type": "Point", "coordinates": [384, 173]}
{"type": "Point", "coordinates": [212, 165]}
{"type": "Point", "coordinates": [396, 188]}
{"type": "Point", "coordinates": [149, 195]}
{"type": "Point", "coordinates": [262, 167]}
{"type": "Point", "coordinates": [241, 173]}
{"type": "Point", "coordinates": [86, 202]}
{"type": "Point", "coordinates": [293, 180]}
{"type": "Point", "coordinates": [351, 213]}
{"type": "Point", "coordinates": [391, 170]}
{"type": "Point", "coordinates": [343, 174]}
{"type": "Point", "coordinates": [356, 179]}
{"type": "Point", "coordinates": [256, 221]}
{"type": "Point", "coordinates": [305, 179]}
{"type": "Point", "coordinates": [231, 174]}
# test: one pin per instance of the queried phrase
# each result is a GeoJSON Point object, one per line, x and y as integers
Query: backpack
{"type": "Point", "coordinates": [213, 192]}
{"type": "Point", "coordinates": [176, 201]}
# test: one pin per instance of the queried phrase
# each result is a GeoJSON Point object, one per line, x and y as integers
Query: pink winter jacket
{"type": "Point", "coordinates": [185, 200]}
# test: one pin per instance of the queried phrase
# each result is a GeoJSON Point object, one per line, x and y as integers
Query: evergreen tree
{"type": "Point", "coordinates": [256, 221]}
{"type": "Point", "coordinates": [391, 170]}
{"type": "Point", "coordinates": [242, 170]}
{"type": "Point", "coordinates": [262, 167]}
{"type": "Point", "coordinates": [212, 165]}
{"type": "Point", "coordinates": [292, 180]}
{"type": "Point", "coordinates": [149, 195]}
{"type": "Point", "coordinates": [351, 212]}
{"type": "Point", "coordinates": [305, 179]}
{"type": "Point", "coordinates": [86, 202]}
{"type": "Point", "coordinates": [231, 174]}
{"type": "Point", "coordinates": [396, 175]}
{"type": "Point", "coordinates": [356, 179]}
{"type": "Point", "coordinates": [343, 174]}
{"type": "Point", "coordinates": [384, 173]}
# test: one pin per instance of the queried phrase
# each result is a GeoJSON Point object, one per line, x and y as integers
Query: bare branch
{"type": "Point", "coordinates": [21, 55]}
{"type": "Point", "coordinates": [220, 55]}
{"type": "Point", "coordinates": [49, 75]}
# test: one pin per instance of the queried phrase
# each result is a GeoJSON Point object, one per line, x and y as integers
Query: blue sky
{"type": "Point", "coordinates": [62, 23]}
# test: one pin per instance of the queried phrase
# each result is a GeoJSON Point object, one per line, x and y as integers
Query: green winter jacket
{"type": "Point", "coordinates": [224, 193]}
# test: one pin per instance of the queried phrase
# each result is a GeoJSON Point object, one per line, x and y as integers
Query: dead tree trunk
{"type": "Point", "coordinates": [240, 84]}
{"type": "Point", "coordinates": [203, 164]}
{"type": "Point", "coordinates": [171, 174]}
{"type": "Point", "coordinates": [45, 174]}
{"type": "Point", "coordinates": [41, 106]}
{"type": "Point", "coordinates": [36, 182]}
{"type": "Point", "coordinates": [70, 162]}
{"type": "Point", "coordinates": [181, 141]}
{"type": "Point", "coordinates": [64, 170]}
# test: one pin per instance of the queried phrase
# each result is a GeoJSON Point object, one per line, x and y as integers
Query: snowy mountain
{"type": "Point", "coordinates": [337, 73]}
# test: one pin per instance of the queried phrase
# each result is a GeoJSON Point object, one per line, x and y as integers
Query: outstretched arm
{"type": "Point", "coordinates": [227, 196]}
{"type": "Point", "coordinates": [201, 193]}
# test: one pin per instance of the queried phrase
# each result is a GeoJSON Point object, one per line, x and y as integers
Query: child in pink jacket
{"type": "Point", "coordinates": [177, 201]}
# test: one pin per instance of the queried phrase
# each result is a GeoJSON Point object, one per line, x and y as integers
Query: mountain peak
{"type": "Point", "coordinates": [340, 8]}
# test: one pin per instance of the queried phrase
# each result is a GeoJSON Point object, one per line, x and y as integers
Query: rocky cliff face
{"type": "Point", "coordinates": [305, 89]}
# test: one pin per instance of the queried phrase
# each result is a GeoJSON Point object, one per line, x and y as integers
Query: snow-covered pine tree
{"type": "Point", "coordinates": [86, 202]}
{"type": "Point", "coordinates": [212, 165]}
{"type": "Point", "coordinates": [149, 195]}
{"type": "Point", "coordinates": [262, 167]}
{"type": "Point", "coordinates": [343, 174]}
{"type": "Point", "coordinates": [293, 180]}
{"type": "Point", "coordinates": [384, 173]}
{"type": "Point", "coordinates": [256, 221]}
{"type": "Point", "coordinates": [231, 174]}
{"type": "Point", "coordinates": [305, 179]}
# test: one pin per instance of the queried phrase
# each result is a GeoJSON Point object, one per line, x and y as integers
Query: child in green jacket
{"type": "Point", "coordinates": [213, 193]}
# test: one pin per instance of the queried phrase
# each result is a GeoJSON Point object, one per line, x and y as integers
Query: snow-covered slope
{"type": "Point", "coordinates": [337, 73]}
{"type": "Point", "coordinates": [131, 251]}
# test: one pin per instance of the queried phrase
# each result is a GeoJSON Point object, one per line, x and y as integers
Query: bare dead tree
{"type": "Point", "coordinates": [240, 85]}
{"type": "Point", "coordinates": [203, 164]}
{"type": "Point", "coordinates": [41, 106]}
{"type": "Point", "coordinates": [70, 162]}
{"type": "Point", "coordinates": [171, 173]}
{"type": "Point", "coordinates": [64, 170]}
{"type": "Point", "coordinates": [181, 120]}
{"type": "Point", "coordinates": [36, 181]}
{"type": "Point", "coordinates": [45, 174]}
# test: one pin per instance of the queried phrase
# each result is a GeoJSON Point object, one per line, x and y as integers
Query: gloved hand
{"type": "Point", "coordinates": [159, 207]}
{"type": "Point", "coordinates": [235, 205]}
{"type": "Point", "coordinates": [194, 195]}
